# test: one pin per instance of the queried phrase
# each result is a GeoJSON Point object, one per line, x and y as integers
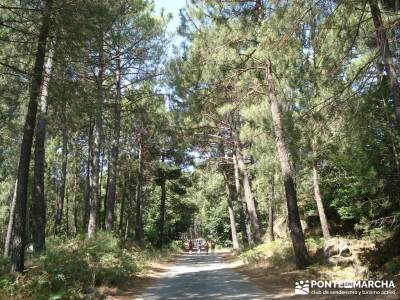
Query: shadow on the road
{"type": "Point", "coordinates": [203, 277]}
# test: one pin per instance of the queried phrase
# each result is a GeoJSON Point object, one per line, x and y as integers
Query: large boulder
{"type": "Point", "coordinates": [337, 246]}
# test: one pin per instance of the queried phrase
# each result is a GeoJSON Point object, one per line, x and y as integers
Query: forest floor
{"type": "Point", "coordinates": [276, 275]}
{"type": "Point", "coordinates": [135, 286]}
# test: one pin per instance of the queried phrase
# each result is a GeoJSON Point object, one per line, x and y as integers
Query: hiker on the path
{"type": "Point", "coordinates": [212, 247]}
{"type": "Point", "coordinates": [207, 247]}
{"type": "Point", "coordinates": [190, 246]}
{"type": "Point", "coordinates": [198, 247]}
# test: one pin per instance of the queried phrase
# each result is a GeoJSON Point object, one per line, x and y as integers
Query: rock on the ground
{"type": "Point", "coordinates": [336, 246]}
{"type": "Point", "coordinates": [340, 260]}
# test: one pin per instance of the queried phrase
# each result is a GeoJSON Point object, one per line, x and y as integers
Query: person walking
{"type": "Point", "coordinates": [198, 247]}
{"type": "Point", "coordinates": [207, 246]}
{"type": "Point", "coordinates": [190, 246]}
{"type": "Point", "coordinates": [213, 247]}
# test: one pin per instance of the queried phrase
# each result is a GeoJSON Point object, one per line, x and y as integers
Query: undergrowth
{"type": "Point", "coordinates": [71, 268]}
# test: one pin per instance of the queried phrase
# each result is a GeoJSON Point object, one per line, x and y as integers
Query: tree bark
{"type": "Point", "coordinates": [139, 189]}
{"type": "Point", "coordinates": [10, 221]}
{"type": "Point", "coordinates": [248, 195]}
{"type": "Point", "coordinates": [38, 201]}
{"type": "Point", "coordinates": [87, 196]}
{"type": "Point", "coordinates": [320, 205]}
{"type": "Point", "coordinates": [242, 207]}
{"type": "Point", "coordinates": [60, 204]}
{"type": "Point", "coordinates": [387, 57]}
{"type": "Point", "coordinates": [115, 148]}
{"type": "Point", "coordinates": [19, 230]}
{"type": "Point", "coordinates": [270, 205]}
{"type": "Point", "coordinates": [296, 232]}
{"type": "Point", "coordinates": [230, 211]}
{"type": "Point", "coordinates": [121, 213]}
{"type": "Point", "coordinates": [163, 197]}
{"type": "Point", "coordinates": [96, 147]}
{"type": "Point", "coordinates": [162, 213]}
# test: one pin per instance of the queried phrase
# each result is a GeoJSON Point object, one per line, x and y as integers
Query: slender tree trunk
{"type": "Point", "coordinates": [162, 213]}
{"type": "Point", "coordinates": [19, 229]}
{"type": "Point", "coordinates": [10, 221]}
{"type": "Point", "coordinates": [113, 170]}
{"type": "Point", "coordinates": [231, 211]}
{"type": "Point", "coordinates": [99, 214]}
{"type": "Point", "coordinates": [270, 205]}
{"type": "Point", "coordinates": [387, 57]}
{"type": "Point", "coordinates": [296, 231]}
{"type": "Point", "coordinates": [38, 203]}
{"type": "Point", "coordinates": [60, 205]}
{"type": "Point", "coordinates": [163, 197]}
{"type": "Point", "coordinates": [95, 155]}
{"type": "Point", "coordinates": [75, 210]}
{"type": "Point", "coordinates": [139, 189]}
{"type": "Point", "coordinates": [87, 196]}
{"type": "Point", "coordinates": [248, 195]}
{"type": "Point", "coordinates": [122, 211]}
{"type": "Point", "coordinates": [320, 205]}
{"type": "Point", "coordinates": [242, 207]}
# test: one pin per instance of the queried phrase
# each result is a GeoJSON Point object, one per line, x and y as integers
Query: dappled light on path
{"type": "Point", "coordinates": [203, 277]}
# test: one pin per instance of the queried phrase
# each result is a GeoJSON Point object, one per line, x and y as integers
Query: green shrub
{"type": "Point", "coordinates": [70, 267]}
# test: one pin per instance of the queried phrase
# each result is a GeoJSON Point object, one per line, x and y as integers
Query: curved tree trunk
{"type": "Point", "coordinates": [96, 147]}
{"type": "Point", "coordinates": [296, 232]}
{"type": "Point", "coordinates": [231, 211]}
{"type": "Point", "coordinates": [320, 205]}
{"type": "Point", "coordinates": [242, 206]}
{"type": "Point", "coordinates": [38, 201]}
{"type": "Point", "coordinates": [248, 195]}
{"type": "Point", "coordinates": [19, 229]}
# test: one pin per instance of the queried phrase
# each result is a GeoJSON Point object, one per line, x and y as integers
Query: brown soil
{"type": "Point", "coordinates": [134, 287]}
{"type": "Point", "coordinates": [280, 283]}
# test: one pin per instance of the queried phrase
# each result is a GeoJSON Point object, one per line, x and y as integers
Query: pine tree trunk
{"type": "Point", "coordinates": [270, 205]}
{"type": "Point", "coordinates": [242, 207]}
{"type": "Point", "coordinates": [19, 229]}
{"type": "Point", "coordinates": [96, 147]}
{"type": "Point", "coordinates": [162, 213]}
{"type": "Point", "coordinates": [100, 188]}
{"type": "Point", "coordinates": [248, 195]}
{"type": "Point", "coordinates": [10, 221]}
{"type": "Point", "coordinates": [75, 210]}
{"type": "Point", "coordinates": [387, 57]}
{"type": "Point", "coordinates": [231, 212]}
{"type": "Point", "coordinates": [87, 196]}
{"type": "Point", "coordinates": [60, 205]}
{"type": "Point", "coordinates": [38, 201]}
{"type": "Point", "coordinates": [296, 232]}
{"type": "Point", "coordinates": [163, 197]}
{"type": "Point", "coordinates": [115, 148]}
{"type": "Point", "coordinates": [122, 211]}
{"type": "Point", "coordinates": [320, 205]}
{"type": "Point", "coordinates": [139, 189]}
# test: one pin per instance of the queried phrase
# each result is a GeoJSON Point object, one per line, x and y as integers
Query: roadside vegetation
{"type": "Point", "coordinates": [74, 268]}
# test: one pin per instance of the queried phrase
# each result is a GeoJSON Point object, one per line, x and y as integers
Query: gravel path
{"type": "Point", "coordinates": [202, 277]}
